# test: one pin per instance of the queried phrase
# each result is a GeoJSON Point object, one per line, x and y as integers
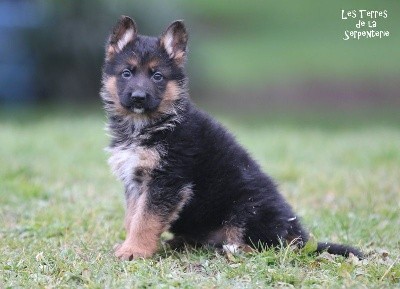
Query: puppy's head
{"type": "Point", "coordinates": [144, 76]}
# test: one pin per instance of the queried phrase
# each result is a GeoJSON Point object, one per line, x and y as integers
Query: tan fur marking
{"type": "Point", "coordinates": [185, 193]}
{"type": "Point", "coordinates": [144, 230]}
{"type": "Point", "coordinates": [172, 93]}
{"type": "Point", "coordinates": [234, 235]}
{"type": "Point", "coordinates": [231, 239]}
{"type": "Point", "coordinates": [110, 52]}
{"type": "Point", "coordinates": [180, 58]}
{"type": "Point", "coordinates": [131, 204]}
{"type": "Point", "coordinates": [133, 61]}
{"type": "Point", "coordinates": [153, 64]}
{"type": "Point", "coordinates": [110, 85]}
{"type": "Point", "coordinates": [148, 158]}
{"type": "Point", "coordinates": [226, 235]}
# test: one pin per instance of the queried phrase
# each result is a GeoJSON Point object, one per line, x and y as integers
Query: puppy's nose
{"type": "Point", "coordinates": [138, 96]}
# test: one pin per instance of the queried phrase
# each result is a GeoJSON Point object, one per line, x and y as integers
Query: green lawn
{"type": "Point", "coordinates": [62, 210]}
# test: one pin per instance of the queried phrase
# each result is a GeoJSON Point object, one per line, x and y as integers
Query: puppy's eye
{"type": "Point", "coordinates": [126, 73]}
{"type": "Point", "coordinates": [157, 77]}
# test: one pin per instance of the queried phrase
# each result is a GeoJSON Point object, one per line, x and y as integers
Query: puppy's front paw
{"type": "Point", "coordinates": [123, 252]}
{"type": "Point", "coordinates": [129, 252]}
{"type": "Point", "coordinates": [116, 246]}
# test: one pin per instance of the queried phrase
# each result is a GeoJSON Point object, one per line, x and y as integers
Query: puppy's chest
{"type": "Point", "coordinates": [133, 164]}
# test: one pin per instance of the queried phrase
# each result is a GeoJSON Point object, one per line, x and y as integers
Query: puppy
{"type": "Point", "coordinates": [182, 170]}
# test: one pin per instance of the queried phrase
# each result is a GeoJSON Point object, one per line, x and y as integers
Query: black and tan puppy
{"type": "Point", "coordinates": [182, 170]}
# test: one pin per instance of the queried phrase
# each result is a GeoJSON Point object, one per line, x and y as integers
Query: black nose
{"type": "Point", "coordinates": [138, 96]}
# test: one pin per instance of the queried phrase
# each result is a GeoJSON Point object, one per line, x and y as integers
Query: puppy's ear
{"type": "Point", "coordinates": [174, 40]}
{"type": "Point", "coordinates": [124, 32]}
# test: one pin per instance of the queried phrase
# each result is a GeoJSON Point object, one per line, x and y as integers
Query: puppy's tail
{"type": "Point", "coordinates": [338, 249]}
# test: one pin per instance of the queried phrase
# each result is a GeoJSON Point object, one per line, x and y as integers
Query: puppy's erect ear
{"type": "Point", "coordinates": [124, 32]}
{"type": "Point", "coordinates": [174, 40]}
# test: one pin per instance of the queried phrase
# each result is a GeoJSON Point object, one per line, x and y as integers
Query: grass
{"type": "Point", "coordinates": [62, 210]}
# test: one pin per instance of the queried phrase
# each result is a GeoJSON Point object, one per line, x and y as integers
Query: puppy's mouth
{"type": "Point", "coordinates": [138, 110]}
{"type": "Point", "coordinates": [140, 107]}
{"type": "Point", "coordinates": [135, 108]}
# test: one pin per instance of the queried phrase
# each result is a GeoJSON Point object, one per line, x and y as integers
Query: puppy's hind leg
{"type": "Point", "coordinates": [230, 238]}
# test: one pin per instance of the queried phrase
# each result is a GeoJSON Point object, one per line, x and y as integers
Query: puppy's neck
{"type": "Point", "coordinates": [135, 127]}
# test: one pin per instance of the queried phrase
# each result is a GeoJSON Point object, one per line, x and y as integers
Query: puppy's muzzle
{"type": "Point", "coordinates": [138, 98]}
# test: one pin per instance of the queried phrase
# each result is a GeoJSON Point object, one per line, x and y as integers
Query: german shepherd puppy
{"type": "Point", "coordinates": [181, 169]}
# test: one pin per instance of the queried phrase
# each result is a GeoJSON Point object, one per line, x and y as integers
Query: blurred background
{"type": "Point", "coordinates": [251, 58]}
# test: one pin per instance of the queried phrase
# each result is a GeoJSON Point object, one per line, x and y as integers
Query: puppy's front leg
{"type": "Point", "coordinates": [143, 227]}
{"type": "Point", "coordinates": [147, 217]}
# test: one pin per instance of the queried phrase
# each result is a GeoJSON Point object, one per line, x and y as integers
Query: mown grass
{"type": "Point", "coordinates": [61, 209]}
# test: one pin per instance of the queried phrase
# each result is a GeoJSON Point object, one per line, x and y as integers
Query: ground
{"type": "Point", "coordinates": [62, 210]}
